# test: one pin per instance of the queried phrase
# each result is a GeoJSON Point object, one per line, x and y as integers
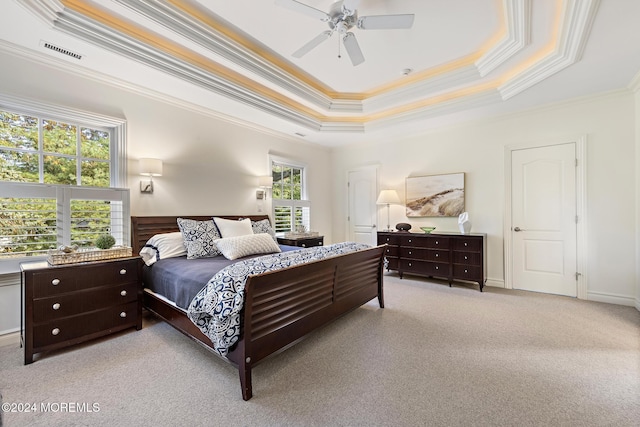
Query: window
{"type": "Point", "coordinates": [59, 169]}
{"type": "Point", "coordinates": [291, 209]}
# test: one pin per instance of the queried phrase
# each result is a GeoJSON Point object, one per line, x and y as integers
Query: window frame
{"type": "Point", "coordinates": [118, 167]}
{"type": "Point", "coordinates": [303, 202]}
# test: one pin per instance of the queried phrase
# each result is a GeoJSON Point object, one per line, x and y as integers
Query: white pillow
{"type": "Point", "coordinates": [249, 244]}
{"type": "Point", "coordinates": [162, 246]}
{"type": "Point", "coordinates": [232, 227]}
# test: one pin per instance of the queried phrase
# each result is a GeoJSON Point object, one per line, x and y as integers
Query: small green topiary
{"type": "Point", "coordinates": [105, 241]}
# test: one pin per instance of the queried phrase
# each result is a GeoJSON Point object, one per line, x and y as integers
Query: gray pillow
{"type": "Point", "coordinates": [199, 237]}
{"type": "Point", "coordinates": [263, 226]}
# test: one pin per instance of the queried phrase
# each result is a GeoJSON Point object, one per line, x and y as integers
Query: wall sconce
{"type": "Point", "coordinates": [388, 197]}
{"type": "Point", "coordinates": [150, 168]}
{"type": "Point", "coordinates": [264, 182]}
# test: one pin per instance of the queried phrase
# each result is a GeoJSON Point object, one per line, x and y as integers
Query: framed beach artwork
{"type": "Point", "coordinates": [435, 195]}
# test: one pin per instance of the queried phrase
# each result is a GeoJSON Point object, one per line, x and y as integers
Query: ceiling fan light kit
{"type": "Point", "coordinates": [342, 17]}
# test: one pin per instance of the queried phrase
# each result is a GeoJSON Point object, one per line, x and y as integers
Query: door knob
{"type": "Point", "coordinates": [518, 229]}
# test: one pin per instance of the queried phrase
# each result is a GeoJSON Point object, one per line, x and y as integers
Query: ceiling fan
{"type": "Point", "coordinates": [342, 17]}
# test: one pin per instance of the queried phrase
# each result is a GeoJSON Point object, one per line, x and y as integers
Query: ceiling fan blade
{"type": "Point", "coordinates": [353, 49]}
{"type": "Point", "coordinates": [296, 6]}
{"type": "Point", "coordinates": [349, 6]}
{"type": "Point", "coordinates": [312, 44]}
{"type": "Point", "coordinates": [385, 22]}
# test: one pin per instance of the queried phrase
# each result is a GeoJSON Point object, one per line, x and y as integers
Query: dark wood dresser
{"type": "Point", "coordinates": [303, 243]}
{"type": "Point", "coordinates": [452, 256]}
{"type": "Point", "coordinates": [68, 304]}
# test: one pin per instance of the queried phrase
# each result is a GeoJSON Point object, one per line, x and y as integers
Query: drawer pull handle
{"type": "Point", "coordinates": [410, 240]}
{"type": "Point", "coordinates": [465, 243]}
{"type": "Point", "coordinates": [409, 264]}
{"type": "Point", "coordinates": [437, 255]}
{"type": "Point", "coordinates": [56, 306]}
{"type": "Point", "coordinates": [437, 267]}
{"type": "Point", "coordinates": [409, 252]}
{"type": "Point", "coordinates": [123, 271]}
{"type": "Point", "coordinates": [55, 282]}
{"type": "Point", "coordinates": [55, 331]}
{"type": "Point", "coordinates": [123, 293]}
{"type": "Point", "coordinates": [465, 257]}
{"type": "Point", "coordinates": [466, 271]}
{"type": "Point", "coordinates": [436, 242]}
{"type": "Point", "coordinates": [123, 314]}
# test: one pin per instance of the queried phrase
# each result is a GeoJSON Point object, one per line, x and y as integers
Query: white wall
{"type": "Point", "coordinates": [636, 88]}
{"type": "Point", "coordinates": [477, 149]}
{"type": "Point", "coordinates": [210, 166]}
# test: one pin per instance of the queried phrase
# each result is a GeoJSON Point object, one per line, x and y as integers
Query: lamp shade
{"type": "Point", "coordinates": [265, 181]}
{"type": "Point", "coordinates": [388, 197]}
{"type": "Point", "coordinates": [150, 167]}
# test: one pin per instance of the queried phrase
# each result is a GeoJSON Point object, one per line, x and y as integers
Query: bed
{"type": "Point", "coordinates": [278, 310]}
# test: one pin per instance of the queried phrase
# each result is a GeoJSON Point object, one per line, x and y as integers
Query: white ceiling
{"type": "Point", "coordinates": [469, 58]}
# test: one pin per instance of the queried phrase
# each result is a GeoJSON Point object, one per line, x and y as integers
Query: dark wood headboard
{"type": "Point", "coordinates": [145, 227]}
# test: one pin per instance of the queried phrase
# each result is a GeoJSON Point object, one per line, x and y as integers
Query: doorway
{"type": "Point", "coordinates": [362, 216]}
{"type": "Point", "coordinates": [544, 230]}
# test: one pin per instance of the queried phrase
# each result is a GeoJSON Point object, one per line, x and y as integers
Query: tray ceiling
{"type": "Point", "coordinates": [462, 59]}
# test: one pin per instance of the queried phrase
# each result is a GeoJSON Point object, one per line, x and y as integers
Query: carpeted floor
{"type": "Point", "coordinates": [435, 356]}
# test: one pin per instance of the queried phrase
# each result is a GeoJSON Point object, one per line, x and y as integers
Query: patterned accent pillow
{"type": "Point", "coordinates": [250, 244]}
{"type": "Point", "coordinates": [162, 246]}
{"type": "Point", "coordinates": [233, 227]}
{"type": "Point", "coordinates": [264, 226]}
{"type": "Point", "coordinates": [199, 237]}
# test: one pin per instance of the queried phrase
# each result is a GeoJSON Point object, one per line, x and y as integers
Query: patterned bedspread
{"type": "Point", "coordinates": [216, 308]}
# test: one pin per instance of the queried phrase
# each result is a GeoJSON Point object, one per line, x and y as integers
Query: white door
{"type": "Point", "coordinates": [543, 227]}
{"type": "Point", "coordinates": [362, 205]}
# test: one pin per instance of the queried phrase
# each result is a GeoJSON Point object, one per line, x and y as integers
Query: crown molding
{"type": "Point", "coordinates": [450, 106]}
{"type": "Point", "coordinates": [285, 84]}
{"type": "Point", "coordinates": [577, 20]}
{"type": "Point", "coordinates": [63, 65]}
{"type": "Point", "coordinates": [518, 19]}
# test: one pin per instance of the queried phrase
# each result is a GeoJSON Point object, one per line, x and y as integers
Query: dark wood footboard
{"type": "Point", "coordinates": [282, 307]}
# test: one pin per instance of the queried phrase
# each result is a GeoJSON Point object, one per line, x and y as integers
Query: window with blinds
{"type": "Point", "coordinates": [60, 173]}
{"type": "Point", "coordinates": [291, 209]}
{"type": "Point", "coordinates": [31, 223]}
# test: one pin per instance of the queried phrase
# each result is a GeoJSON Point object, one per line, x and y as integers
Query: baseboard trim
{"type": "Point", "coordinates": [496, 283]}
{"type": "Point", "coordinates": [10, 339]}
{"type": "Point", "coordinates": [611, 299]}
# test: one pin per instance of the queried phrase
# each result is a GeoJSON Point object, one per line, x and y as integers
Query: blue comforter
{"type": "Point", "coordinates": [216, 308]}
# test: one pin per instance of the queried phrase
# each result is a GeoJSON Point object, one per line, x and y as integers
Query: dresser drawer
{"type": "Point", "coordinates": [58, 280]}
{"type": "Point", "coordinates": [465, 272]}
{"type": "Point", "coordinates": [391, 251]}
{"type": "Point", "coordinates": [421, 241]}
{"type": "Point", "coordinates": [424, 267]}
{"type": "Point", "coordinates": [112, 272]}
{"type": "Point", "coordinates": [388, 239]}
{"type": "Point", "coordinates": [58, 306]}
{"type": "Point", "coordinates": [413, 253]}
{"type": "Point", "coordinates": [54, 281]}
{"type": "Point", "coordinates": [467, 258]}
{"type": "Point", "coordinates": [467, 244]}
{"type": "Point", "coordinates": [74, 327]}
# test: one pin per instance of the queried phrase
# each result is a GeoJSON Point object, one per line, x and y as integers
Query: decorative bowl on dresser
{"type": "Point", "coordinates": [452, 256]}
{"type": "Point", "coordinates": [70, 304]}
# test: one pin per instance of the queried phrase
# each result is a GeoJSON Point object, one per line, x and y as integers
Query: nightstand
{"type": "Point", "coordinates": [69, 304]}
{"type": "Point", "coordinates": [303, 243]}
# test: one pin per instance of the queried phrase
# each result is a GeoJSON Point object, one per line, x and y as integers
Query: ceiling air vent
{"type": "Point", "coordinates": [61, 50]}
